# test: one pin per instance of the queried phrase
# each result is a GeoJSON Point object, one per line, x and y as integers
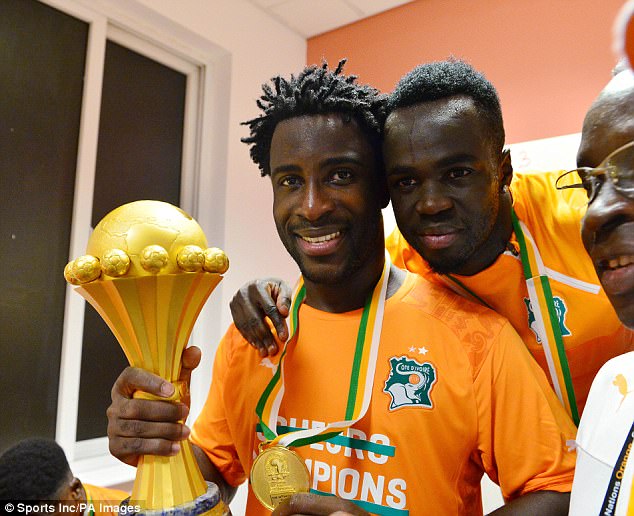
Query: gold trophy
{"type": "Point", "coordinates": [148, 272]}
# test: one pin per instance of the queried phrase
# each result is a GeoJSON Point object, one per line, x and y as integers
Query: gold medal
{"type": "Point", "coordinates": [276, 474]}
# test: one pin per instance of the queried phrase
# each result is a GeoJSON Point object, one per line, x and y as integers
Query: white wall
{"type": "Point", "coordinates": [244, 48]}
{"type": "Point", "coordinates": [236, 214]}
{"type": "Point", "coordinates": [258, 48]}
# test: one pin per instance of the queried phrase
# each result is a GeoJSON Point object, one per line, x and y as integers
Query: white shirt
{"type": "Point", "coordinates": [604, 427]}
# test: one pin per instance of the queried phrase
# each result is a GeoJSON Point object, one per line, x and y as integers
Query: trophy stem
{"type": "Point", "coordinates": [163, 482]}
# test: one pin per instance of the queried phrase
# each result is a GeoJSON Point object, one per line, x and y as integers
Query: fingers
{"type": "Point", "coordinates": [129, 450]}
{"type": "Point", "coordinates": [189, 361]}
{"type": "Point", "coordinates": [313, 504]}
{"type": "Point", "coordinates": [139, 426]}
{"type": "Point", "coordinates": [146, 410]}
{"type": "Point", "coordinates": [134, 379]}
{"type": "Point", "coordinates": [279, 323]}
{"type": "Point", "coordinates": [282, 292]}
{"type": "Point", "coordinates": [249, 307]}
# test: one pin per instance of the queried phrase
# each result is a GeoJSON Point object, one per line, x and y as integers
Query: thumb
{"type": "Point", "coordinates": [189, 361]}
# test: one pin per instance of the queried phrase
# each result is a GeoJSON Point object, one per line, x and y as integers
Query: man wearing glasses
{"type": "Point", "coordinates": [603, 479]}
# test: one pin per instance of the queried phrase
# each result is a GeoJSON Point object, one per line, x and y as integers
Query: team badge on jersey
{"type": "Point", "coordinates": [560, 309]}
{"type": "Point", "coordinates": [410, 383]}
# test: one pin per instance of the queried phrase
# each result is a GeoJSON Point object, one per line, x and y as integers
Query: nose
{"type": "Point", "coordinates": [432, 199]}
{"type": "Point", "coordinates": [316, 201]}
{"type": "Point", "coordinates": [608, 209]}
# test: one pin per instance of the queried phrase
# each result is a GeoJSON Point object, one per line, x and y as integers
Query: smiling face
{"type": "Point", "coordinates": [446, 181]}
{"type": "Point", "coordinates": [608, 227]}
{"type": "Point", "coordinates": [327, 197]}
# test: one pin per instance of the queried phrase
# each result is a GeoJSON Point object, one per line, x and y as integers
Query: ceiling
{"type": "Point", "coordinates": [311, 17]}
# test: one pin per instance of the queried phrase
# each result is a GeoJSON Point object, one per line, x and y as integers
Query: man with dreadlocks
{"type": "Point", "coordinates": [466, 221]}
{"type": "Point", "coordinates": [396, 395]}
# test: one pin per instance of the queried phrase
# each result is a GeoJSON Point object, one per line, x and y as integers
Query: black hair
{"type": "Point", "coordinates": [33, 469]}
{"type": "Point", "coordinates": [316, 90]}
{"type": "Point", "coordinates": [443, 79]}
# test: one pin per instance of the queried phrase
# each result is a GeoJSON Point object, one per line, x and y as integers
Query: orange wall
{"type": "Point", "coordinates": [547, 58]}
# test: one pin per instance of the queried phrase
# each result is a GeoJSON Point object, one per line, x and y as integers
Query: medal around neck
{"type": "Point", "coordinates": [277, 474]}
{"type": "Point", "coordinates": [148, 272]}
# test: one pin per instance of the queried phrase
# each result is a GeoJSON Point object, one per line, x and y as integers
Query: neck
{"type": "Point", "coordinates": [496, 244]}
{"type": "Point", "coordinates": [352, 293]}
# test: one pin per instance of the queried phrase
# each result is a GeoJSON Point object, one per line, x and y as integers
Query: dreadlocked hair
{"type": "Point", "coordinates": [443, 79]}
{"type": "Point", "coordinates": [316, 90]}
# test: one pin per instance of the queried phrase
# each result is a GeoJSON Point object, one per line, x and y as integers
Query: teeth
{"type": "Point", "coordinates": [625, 260]}
{"type": "Point", "coordinates": [325, 238]}
{"type": "Point", "coordinates": [621, 261]}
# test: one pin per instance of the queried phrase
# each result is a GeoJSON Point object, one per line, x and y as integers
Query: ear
{"type": "Point", "coordinates": [77, 490]}
{"type": "Point", "coordinates": [505, 170]}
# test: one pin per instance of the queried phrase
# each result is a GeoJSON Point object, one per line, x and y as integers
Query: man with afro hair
{"type": "Point", "coordinates": [35, 472]}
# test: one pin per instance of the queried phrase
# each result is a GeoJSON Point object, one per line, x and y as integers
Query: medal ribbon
{"type": "Point", "coordinates": [362, 376]}
{"type": "Point", "coordinates": [615, 486]}
{"type": "Point", "coordinates": [540, 293]}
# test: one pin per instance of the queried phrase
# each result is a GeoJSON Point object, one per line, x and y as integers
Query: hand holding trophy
{"type": "Point", "coordinates": [148, 272]}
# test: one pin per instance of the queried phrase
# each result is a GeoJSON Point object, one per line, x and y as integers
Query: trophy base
{"type": "Point", "coordinates": [207, 503]}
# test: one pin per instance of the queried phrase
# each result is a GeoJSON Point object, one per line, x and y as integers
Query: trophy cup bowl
{"type": "Point", "coordinates": [148, 272]}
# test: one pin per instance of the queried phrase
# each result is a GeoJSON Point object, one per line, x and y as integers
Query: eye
{"type": "Point", "coordinates": [341, 176]}
{"type": "Point", "coordinates": [290, 181]}
{"type": "Point", "coordinates": [404, 183]}
{"type": "Point", "coordinates": [591, 184]}
{"type": "Point", "coordinates": [459, 173]}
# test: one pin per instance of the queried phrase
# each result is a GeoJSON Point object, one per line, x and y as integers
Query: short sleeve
{"type": "Point", "coordinates": [523, 428]}
{"type": "Point", "coordinates": [211, 431]}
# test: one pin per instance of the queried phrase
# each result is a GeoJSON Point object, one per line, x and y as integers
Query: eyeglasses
{"type": "Point", "coordinates": [618, 168]}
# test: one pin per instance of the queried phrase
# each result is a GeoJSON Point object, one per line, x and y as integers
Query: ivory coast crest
{"type": "Point", "coordinates": [410, 383]}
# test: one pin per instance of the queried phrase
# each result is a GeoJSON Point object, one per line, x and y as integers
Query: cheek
{"type": "Point", "coordinates": [594, 217]}
{"type": "Point", "coordinates": [486, 200]}
{"type": "Point", "coordinates": [587, 233]}
{"type": "Point", "coordinates": [401, 212]}
{"type": "Point", "coordinates": [401, 204]}
{"type": "Point", "coordinates": [370, 199]}
{"type": "Point", "coordinates": [280, 207]}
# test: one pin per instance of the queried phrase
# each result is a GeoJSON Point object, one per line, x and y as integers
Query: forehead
{"type": "Point", "coordinates": [311, 137]}
{"type": "Point", "coordinates": [437, 128]}
{"type": "Point", "coordinates": [609, 124]}
{"type": "Point", "coordinates": [604, 134]}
